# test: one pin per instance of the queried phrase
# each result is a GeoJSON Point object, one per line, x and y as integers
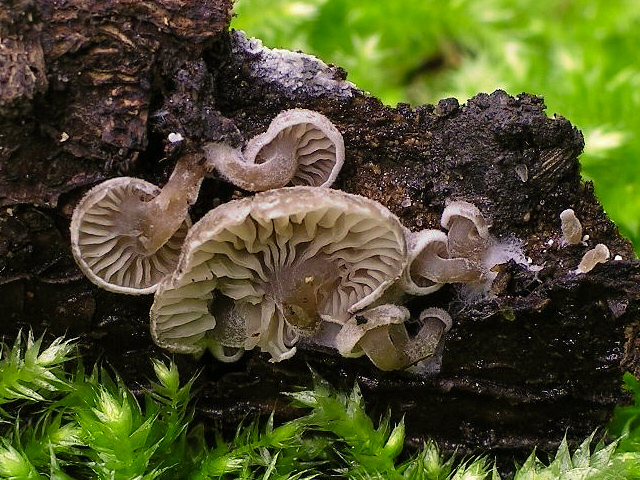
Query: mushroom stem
{"type": "Point", "coordinates": [274, 172]}
{"type": "Point", "coordinates": [447, 270]}
{"type": "Point", "coordinates": [160, 217]}
{"type": "Point", "coordinates": [390, 347]}
{"type": "Point", "coordinates": [464, 239]}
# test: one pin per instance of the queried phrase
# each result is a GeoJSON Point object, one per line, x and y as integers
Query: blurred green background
{"type": "Point", "coordinates": [582, 56]}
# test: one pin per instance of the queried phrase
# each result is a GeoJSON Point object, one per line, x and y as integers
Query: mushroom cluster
{"type": "Point", "coordinates": [126, 233]}
{"type": "Point", "coordinates": [465, 255]}
{"type": "Point", "coordinates": [291, 264]}
{"type": "Point", "coordinates": [298, 263]}
{"type": "Point", "coordinates": [264, 271]}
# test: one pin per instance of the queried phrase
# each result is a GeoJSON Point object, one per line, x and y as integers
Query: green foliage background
{"type": "Point", "coordinates": [582, 56]}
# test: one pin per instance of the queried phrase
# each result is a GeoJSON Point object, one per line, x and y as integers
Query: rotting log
{"type": "Point", "coordinates": [91, 90]}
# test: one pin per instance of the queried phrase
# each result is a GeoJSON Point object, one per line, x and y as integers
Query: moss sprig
{"type": "Point", "coordinates": [83, 425]}
{"type": "Point", "coordinates": [28, 374]}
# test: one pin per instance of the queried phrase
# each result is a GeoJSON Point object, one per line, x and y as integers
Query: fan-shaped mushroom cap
{"type": "Point", "coordinates": [300, 147]}
{"type": "Point", "coordinates": [381, 334]}
{"type": "Point", "coordinates": [106, 238]}
{"type": "Point", "coordinates": [265, 270]}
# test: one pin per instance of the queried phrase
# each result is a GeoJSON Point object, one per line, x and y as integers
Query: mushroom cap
{"type": "Point", "coordinates": [464, 210]}
{"type": "Point", "coordinates": [348, 339]}
{"type": "Point", "coordinates": [317, 144]}
{"type": "Point", "coordinates": [468, 235]}
{"type": "Point", "coordinates": [267, 269]}
{"type": "Point", "coordinates": [440, 314]}
{"type": "Point", "coordinates": [381, 334]}
{"type": "Point", "coordinates": [300, 147]}
{"type": "Point", "coordinates": [105, 240]}
{"type": "Point", "coordinates": [421, 245]}
{"type": "Point", "coordinates": [429, 266]}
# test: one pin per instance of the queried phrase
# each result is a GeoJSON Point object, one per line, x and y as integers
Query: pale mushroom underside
{"type": "Point", "coordinates": [263, 271]}
{"type": "Point", "coordinates": [317, 155]}
{"type": "Point", "coordinates": [105, 238]}
{"type": "Point", "coordinates": [300, 147]}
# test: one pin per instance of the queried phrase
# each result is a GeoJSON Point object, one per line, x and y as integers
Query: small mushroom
{"type": "Point", "coordinates": [428, 265]}
{"type": "Point", "coordinates": [126, 233]}
{"type": "Point", "coordinates": [381, 334]}
{"type": "Point", "coordinates": [571, 227]}
{"type": "Point", "coordinates": [468, 230]}
{"type": "Point", "coordinates": [435, 322]}
{"type": "Point", "coordinates": [599, 254]}
{"type": "Point", "coordinates": [469, 239]}
{"type": "Point", "coordinates": [300, 147]}
{"type": "Point", "coordinates": [267, 270]}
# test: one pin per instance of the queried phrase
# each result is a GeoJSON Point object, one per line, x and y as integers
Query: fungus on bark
{"type": "Point", "coordinates": [598, 254]}
{"type": "Point", "coordinates": [126, 233]}
{"type": "Point", "coordinates": [266, 270]}
{"type": "Point", "coordinates": [468, 240]}
{"type": "Point", "coordinates": [381, 334]}
{"type": "Point", "coordinates": [429, 266]}
{"type": "Point", "coordinates": [300, 147]}
{"type": "Point", "coordinates": [571, 227]}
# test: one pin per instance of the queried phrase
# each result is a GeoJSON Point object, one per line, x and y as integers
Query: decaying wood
{"type": "Point", "coordinates": [91, 90]}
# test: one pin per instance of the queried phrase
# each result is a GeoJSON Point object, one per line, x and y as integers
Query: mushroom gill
{"type": "Point", "coordinates": [265, 271]}
{"type": "Point", "coordinates": [126, 233]}
{"type": "Point", "coordinates": [300, 147]}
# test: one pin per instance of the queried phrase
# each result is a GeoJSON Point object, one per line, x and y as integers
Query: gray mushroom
{"type": "Point", "coordinates": [126, 233]}
{"type": "Point", "coordinates": [429, 266]}
{"type": "Point", "coordinates": [267, 270]}
{"type": "Point", "coordinates": [381, 334]}
{"type": "Point", "coordinates": [300, 147]}
{"type": "Point", "coordinates": [571, 227]}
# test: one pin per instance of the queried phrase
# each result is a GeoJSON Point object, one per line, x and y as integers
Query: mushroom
{"type": "Point", "coordinates": [381, 334]}
{"type": "Point", "coordinates": [599, 254]}
{"type": "Point", "coordinates": [126, 233]}
{"type": "Point", "coordinates": [266, 270]}
{"type": "Point", "coordinates": [300, 147]}
{"type": "Point", "coordinates": [469, 239]}
{"type": "Point", "coordinates": [571, 227]}
{"type": "Point", "coordinates": [428, 265]}
{"type": "Point", "coordinates": [468, 230]}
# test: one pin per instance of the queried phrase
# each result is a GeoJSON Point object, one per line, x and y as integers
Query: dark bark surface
{"type": "Point", "coordinates": [90, 90]}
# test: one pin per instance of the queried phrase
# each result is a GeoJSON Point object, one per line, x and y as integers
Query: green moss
{"type": "Point", "coordinates": [92, 426]}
